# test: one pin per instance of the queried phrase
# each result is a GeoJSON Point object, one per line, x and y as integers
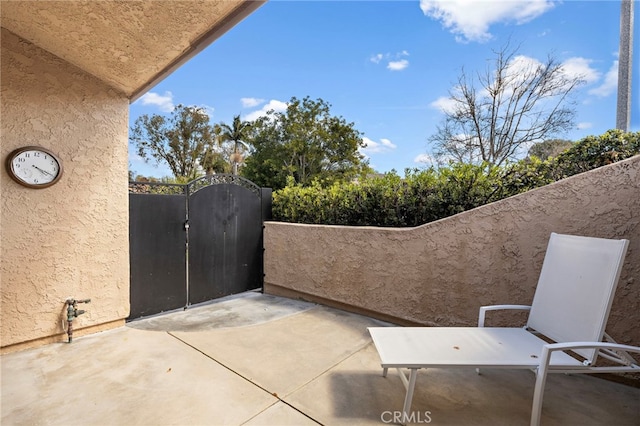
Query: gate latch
{"type": "Point", "coordinates": [186, 225]}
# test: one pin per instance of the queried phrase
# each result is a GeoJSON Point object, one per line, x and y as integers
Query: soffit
{"type": "Point", "coordinates": [130, 45]}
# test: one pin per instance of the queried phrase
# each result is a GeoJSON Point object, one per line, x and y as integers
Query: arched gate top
{"type": "Point", "coordinates": [193, 186]}
{"type": "Point", "coordinates": [217, 179]}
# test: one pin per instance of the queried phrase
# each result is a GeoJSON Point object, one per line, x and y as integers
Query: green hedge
{"type": "Point", "coordinates": [424, 196]}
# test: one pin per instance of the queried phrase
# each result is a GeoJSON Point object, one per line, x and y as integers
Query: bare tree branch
{"type": "Point", "coordinates": [497, 116]}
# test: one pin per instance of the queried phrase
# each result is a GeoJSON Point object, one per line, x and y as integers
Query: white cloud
{"type": "Point", "coordinates": [163, 102]}
{"type": "Point", "coordinates": [277, 106]}
{"type": "Point", "coordinates": [377, 58]}
{"type": "Point", "coordinates": [135, 158]}
{"type": "Point", "coordinates": [580, 67]}
{"type": "Point", "coordinates": [425, 159]}
{"type": "Point", "coordinates": [372, 147]}
{"type": "Point", "coordinates": [584, 125]}
{"type": "Point", "coordinates": [610, 83]}
{"type": "Point", "coordinates": [398, 65]}
{"type": "Point", "coordinates": [250, 102]}
{"type": "Point", "coordinates": [444, 104]}
{"type": "Point", "coordinates": [520, 68]}
{"type": "Point", "coordinates": [470, 20]}
{"type": "Point", "coordinates": [522, 63]}
{"type": "Point", "coordinates": [394, 61]}
{"type": "Point", "coordinates": [208, 109]}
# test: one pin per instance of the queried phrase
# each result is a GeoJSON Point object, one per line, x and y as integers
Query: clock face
{"type": "Point", "coordinates": [34, 167]}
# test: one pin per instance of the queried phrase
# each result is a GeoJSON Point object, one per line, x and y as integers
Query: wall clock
{"type": "Point", "coordinates": [34, 167]}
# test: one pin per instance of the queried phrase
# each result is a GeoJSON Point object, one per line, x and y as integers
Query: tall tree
{"type": "Point", "coordinates": [184, 140]}
{"type": "Point", "coordinates": [304, 142]}
{"type": "Point", "coordinates": [549, 148]}
{"type": "Point", "coordinates": [519, 101]}
{"type": "Point", "coordinates": [236, 133]}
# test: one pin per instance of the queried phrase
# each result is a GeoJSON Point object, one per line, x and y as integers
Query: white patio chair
{"type": "Point", "coordinates": [570, 307]}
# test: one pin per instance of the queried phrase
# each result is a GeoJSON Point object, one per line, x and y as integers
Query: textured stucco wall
{"type": "Point", "coordinates": [71, 239]}
{"type": "Point", "coordinates": [441, 273]}
{"type": "Point", "coordinates": [124, 43]}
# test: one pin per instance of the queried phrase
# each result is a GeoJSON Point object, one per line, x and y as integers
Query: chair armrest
{"type": "Point", "coordinates": [548, 349]}
{"type": "Point", "coordinates": [484, 309]}
{"type": "Point", "coordinates": [569, 346]}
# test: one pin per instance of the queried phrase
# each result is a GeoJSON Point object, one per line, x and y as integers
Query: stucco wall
{"type": "Point", "coordinates": [442, 272]}
{"type": "Point", "coordinates": [71, 239]}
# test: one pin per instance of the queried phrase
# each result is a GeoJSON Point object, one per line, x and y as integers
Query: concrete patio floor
{"type": "Point", "coordinates": [256, 359]}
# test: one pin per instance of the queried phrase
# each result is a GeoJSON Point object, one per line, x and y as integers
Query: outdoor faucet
{"type": "Point", "coordinates": [72, 313]}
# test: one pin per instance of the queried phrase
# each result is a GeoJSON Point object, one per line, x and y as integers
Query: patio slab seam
{"type": "Point", "coordinates": [283, 398]}
{"type": "Point", "coordinates": [274, 394]}
{"type": "Point", "coordinates": [288, 405]}
{"type": "Point", "coordinates": [222, 365]}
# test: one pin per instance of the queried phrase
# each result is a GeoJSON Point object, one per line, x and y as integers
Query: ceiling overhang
{"type": "Point", "coordinates": [129, 45]}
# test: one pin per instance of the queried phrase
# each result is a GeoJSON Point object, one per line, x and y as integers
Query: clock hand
{"type": "Point", "coordinates": [44, 172]}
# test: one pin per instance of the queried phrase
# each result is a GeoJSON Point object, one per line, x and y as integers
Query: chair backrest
{"type": "Point", "coordinates": [576, 286]}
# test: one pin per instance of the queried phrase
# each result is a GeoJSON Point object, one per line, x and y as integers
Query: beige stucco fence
{"type": "Point", "coordinates": [442, 272]}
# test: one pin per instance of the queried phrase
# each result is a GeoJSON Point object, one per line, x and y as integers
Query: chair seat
{"type": "Point", "coordinates": [434, 347]}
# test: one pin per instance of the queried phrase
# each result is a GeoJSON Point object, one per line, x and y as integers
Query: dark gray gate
{"type": "Point", "coordinates": [157, 249]}
{"type": "Point", "coordinates": [195, 242]}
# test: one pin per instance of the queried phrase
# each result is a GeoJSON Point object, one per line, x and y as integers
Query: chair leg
{"type": "Point", "coordinates": [536, 409]}
{"type": "Point", "coordinates": [384, 372]}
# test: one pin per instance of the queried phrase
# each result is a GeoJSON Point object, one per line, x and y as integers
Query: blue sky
{"type": "Point", "coordinates": [387, 66]}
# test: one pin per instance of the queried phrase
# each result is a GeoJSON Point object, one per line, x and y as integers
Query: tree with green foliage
{"type": "Point", "coordinates": [513, 104]}
{"type": "Point", "coordinates": [213, 160]}
{"type": "Point", "coordinates": [304, 142]}
{"type": "Point", "coordinates": [549, 148]}
{"type": "Point", "coordinates": [184, 140]}
{"type": "Point", "coordinates": [596, 151]}
{"type": "Point", "coordinates": [584, 155]}
{"type": "Point", "coordinates": [237, 133]}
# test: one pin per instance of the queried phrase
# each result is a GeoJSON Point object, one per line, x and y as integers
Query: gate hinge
{"type": "Point", "coordinates": [186, 225]}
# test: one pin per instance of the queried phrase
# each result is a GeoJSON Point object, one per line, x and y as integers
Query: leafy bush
{"type": "Point", "coordinates": [596, 151]}
{"type": "Point", "coordinates": [587, 154]}
{"type": "Point", "coordinates": [428, 195]}
{"type": "Point", "coordinates": [388, 200]}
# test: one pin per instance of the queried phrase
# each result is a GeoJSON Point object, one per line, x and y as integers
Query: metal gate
{"type": "Point", "coordinates": [195, 242]}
